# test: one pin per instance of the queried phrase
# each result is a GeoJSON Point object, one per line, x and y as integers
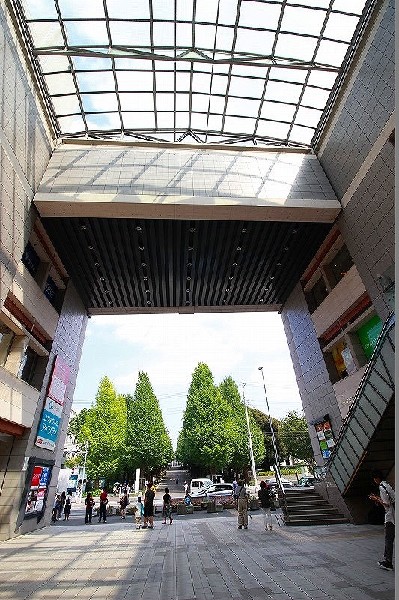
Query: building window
{"type": "Point", "coordinates": [316, 295]}
{"type": "Point", "coordinates": [339, 266]}
{"type": "Point", "coordinates": [340, 362]}
{"type": "Point", "coordinates": [368, 335]}
{"type": "Point", "coordinates": [31, 259]}
{"type": "Point", "coordinates": [32, 368]}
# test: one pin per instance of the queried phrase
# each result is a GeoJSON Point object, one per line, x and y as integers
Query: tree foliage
{"type": "Point", "coordinates": [208, 425]}
{"type": "Point", "coordinates": [294, 435]}
{"type": "Point", "coordinates": [148, 444]}
{"type": "Point", "coordinates": [239, 439]}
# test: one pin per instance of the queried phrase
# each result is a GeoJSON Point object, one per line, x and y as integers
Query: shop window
{"type": "Point", "coordinates": [340, 362]}
{"type": "Point", "coordinates": [339, 266]}
{"type": "Point", "coordinates": [53, 294]}
{"type": "Point", "coordinates": [316, 295]}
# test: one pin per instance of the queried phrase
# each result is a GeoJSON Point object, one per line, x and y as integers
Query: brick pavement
{"type": "Point", "coordinates": [200, 556]}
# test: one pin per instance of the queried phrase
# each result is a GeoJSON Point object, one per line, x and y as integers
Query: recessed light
{"type": "Point", "coordinates": [102, 278]}
{"type": "Point", "coordinates": [187, 302]}
{"type": "Point", "coordinates": [244, 230]}
{"type": "Point", "coordinates": [278, 264]}
{"type": "Point", "coordinates": [91, 247]}
{"type": "Point", "coordinates": [143, 264]}
{"type": "Point", "coordinates": [227, 289]}
{"type": "Point", "coordinates": [141, 248]}
{"type": "Point", "coordinates": [96, 264]}
{"type": "Point", "coordinates": [83, 227]}
{"type": "Point", "coordinates": [145, 278]}
{"type": "Point", "coordinates": [149, 302]}
{"type": "Point", "coordinates": [234, 264]}
{"type": "Point", "coordinates": [147, 292]}
{"type": "Point", "coordinates": [231, 277]}
{"type": "Point", "coordinates": [286, 248]}
{"type": "Point", "coordinates": [189, 264]}
{"type": "Point", "coordinates": [271, 277]}
{"type": "Point", "coordinates": [138, 228]}
{"type": "Point", "coordinates": [190, 248]}
{"type": "Point", "coordinates": [187, 291]}
{"type": "Point", "coordinates": [188, 278]}
{"type": "Point", "coordinates": [261, 300]}
{"type": "Point", "coordinates": [192, 229]}
{"type": "Point", "coordinates": [239, 248]}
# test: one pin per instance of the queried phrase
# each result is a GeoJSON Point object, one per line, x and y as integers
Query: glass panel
{"type": "Point", "coordinates": [165, 101]}
{"type": "Point", "coordinates": [215, 122]}
{"type": "Point", "coordinates": [303, 20]}
{"type": "Point", "coordinates": [39, 10]}
{"type": "Point", "coordinates": [132, 64]}
{"type": "Point", "coordinates": [165, 120]}
{"type": "Point", "coordinates": [84, 63]}
{"type": "Point", "coordinates": [165, 81]}
{"type": "Point", "coordinates": [354, 6]}
{"type": "Point", "coordinates": [219, 84]}
{"type": "Point", "coordinates": [46, 35]}
{"type": "Point", "coordinates": [136, 102]}
{"type": "Point", "coordinates": [164, 34]}
{"type": "Point", "coordinates": [88, 9]}
{"type": "Point", "coordinates": [322, 79]}
{"type": "Point", "coordinates": [183, 82]}
{"type": "Point", "coordinates": [253, 13]}
{"type": "Point", "coordinates": [79, 34]}
{"type": "Point", "coordinates": [53, 64]}
{"type": "Point", "coordinates": [217, 104]}
{"type": "Point", "coordinates": [66, 105]}
{"type": "Point", "coordinates": [163, 10]}
{"type": "Point", "coordinates": [200, 102]}
{"type": "Point", "coordinates": [205, 36]}
{"type": "Point", "coordinates": [183, 35]}
{"type": "Point", "coordinates": [278, 111]}
{"type": "Point", "coordinates": [331, 53]}
{"type": "Point", "coordinates": [285, 92]}
{"type": "Point", "coordinates": [184, 10]}
{"type": "Point", "coordinates": [131, 81]}
{"type": "Point", "coordinates": [92, 81]}
{"type": "Point", "coordinates": [237, 125]}
{"type": "Point", "coordinates": [201, 82]}
{"type": "Point", "coordinates": [295, 46]}
{"type": "Point", "coordinates": [182, 102]}
{"type": "Point", "coordinates": [99, 102]}
{"type": "Point", "coordinates": [206, 11]}
{"type": "Point", "coordinates": [340, 27]}
{"type": "Point", "coordinates": [182, 120]}
{"type": "Point", "coordinates": [241, 86]}
{"type": "Point", "coordinates": [61, 83]}
{"type": "Point", "coordinates": [198, 121]}
{"type": "Point", "coordinates": [144, 120]}
{"type": "Point", "coordinates": [71, 124]}
{"type": "Point", "coordinates": [307, 116]}
{"type": "Point", "coordinates": [103, 122]}
{"type": "Point", "coordinates": [227, 12]}
{"type": "Point", "coordinates": [315, 98]}
{"type": "Point", "coordinates": [294, 75]}
{"type": "Point", "coordinates": [302, 135]}
{"type": "Point", "coordinates": [131, 34]}
{"type": "Point", "coordinates": [239, 106]}
{"type": "Point", "coordinates": [271, 129]}
{"type": "Point", "coordinates": [224, 38]}
{"type": "Point", "coordinates": [256, 42]}
{"type": "Point", "coordinates": [128, 10]}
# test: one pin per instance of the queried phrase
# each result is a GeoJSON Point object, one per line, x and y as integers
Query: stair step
{"type": "Point", "coordinates": [316, 521]}
{"type": "Point", "coordinates": [312, 510]}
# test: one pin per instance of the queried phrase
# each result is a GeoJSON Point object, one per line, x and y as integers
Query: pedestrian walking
{"type": "Point", "coordinates": [387, 499]}
{"type": "Point", "coordinates": [139, 513]}
{"type": "Point", "coordinates": [149, 507]}
{"type": "Point", "coordinates": [167, 507]}
{"type": "Point", "coordinates": [186, 488]}
{"type": "Point", "coordinates": [123, 502]}
{"type": "Point", "coordinates": [56, 508]}
{"type": "Point", "coordinates": [242, 504]}
{"type": "Point", "coordinates": [89, 503]}
{"type": "Point", "coordinates": [67, 508]}
{"type": "Point", "coordinates": [103, 506]}
{"type": "Point", "coordinates": [62, 504]}
{"type": "Point", "coordinates": [265, 499]}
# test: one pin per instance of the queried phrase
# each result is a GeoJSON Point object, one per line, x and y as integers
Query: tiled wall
{"type": "Point", "coordinates": [368, 226]}
{"type": "Point", "coordinates": [315, 388]}
{"type": "Point", "coordinates": [369, 105]}
{"type": "Point", "coordinates": [25, 149]}
{"type": "Point", "coordinates": [186, 172]}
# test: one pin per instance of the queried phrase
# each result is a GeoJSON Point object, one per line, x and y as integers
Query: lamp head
{"type": "Point", "coordinates": [260, 368]}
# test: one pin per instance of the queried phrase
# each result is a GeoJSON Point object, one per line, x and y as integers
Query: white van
{"type": "Point", "coordinates": [200, 484]}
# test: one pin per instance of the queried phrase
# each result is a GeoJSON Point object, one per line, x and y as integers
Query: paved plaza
{"type": "Point", "coordinates": [200, 556]}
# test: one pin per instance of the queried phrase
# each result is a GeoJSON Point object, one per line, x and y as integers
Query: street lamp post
{"type": "Point", "coordinates": [276, 457]}
{"type": "Point", "coordinates": [251, 451]}
{"type": "Point", "coordinates": [84, 470]}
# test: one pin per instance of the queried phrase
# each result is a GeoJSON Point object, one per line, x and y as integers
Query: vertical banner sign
{"type": "Point", "coordinates": [325, 436]}
{"type": "Point", "coordinates": [51, 416]}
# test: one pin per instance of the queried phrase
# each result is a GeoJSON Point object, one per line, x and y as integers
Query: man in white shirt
{"type": "Point", "coordinates": [387, 499]}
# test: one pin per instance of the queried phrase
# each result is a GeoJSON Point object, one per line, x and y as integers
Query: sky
{"type": "Point", "coordinates": [168, 347]}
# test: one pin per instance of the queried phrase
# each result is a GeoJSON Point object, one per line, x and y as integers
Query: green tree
{"type": "Point", "coordinates": [104, 428]}
{"type": "Point", "coordinates": [294, 434]}
{"type": "Point", "coordinates": [263, 423]}
{"type": "Point", "coordinates": [239, 439]}
{"type": "Point", "coordinates": [148, 445]}
{"type": "Point", "coordinates": [204, 441]}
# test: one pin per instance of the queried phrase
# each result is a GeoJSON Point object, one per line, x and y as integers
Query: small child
{"type": "Point", "coordinates": [139, 512]}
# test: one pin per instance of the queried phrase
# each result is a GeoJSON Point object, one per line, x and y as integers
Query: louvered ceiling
{"type": "Point", "coordinates": [131, 265]}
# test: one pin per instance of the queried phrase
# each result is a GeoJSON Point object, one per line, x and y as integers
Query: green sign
{"type": "Point", "coordinates": [368, 335]}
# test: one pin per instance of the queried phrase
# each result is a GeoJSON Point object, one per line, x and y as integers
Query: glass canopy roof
{"type": "Point", "coordinates": [210, 71]}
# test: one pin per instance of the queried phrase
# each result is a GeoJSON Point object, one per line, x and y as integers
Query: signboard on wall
{"type": "Point", "coordinates": [325, 436]}
{"type": "Point", "coordinates": [50, 421]}
{"type": "Point", "coordinates": [37, 490]}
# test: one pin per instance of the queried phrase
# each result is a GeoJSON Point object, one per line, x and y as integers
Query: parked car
{"type": "Point", "coordinates": [199, 484]}
{"type": "Point", "coordinates": [305, 481]}
{"type": "Point", "coordinates": [285, 482]}
{"type": "Point", "coordinates": [220, 489]}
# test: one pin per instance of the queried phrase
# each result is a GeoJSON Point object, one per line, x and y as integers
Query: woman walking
{"type": "Point", "coordinates": [167, 507]}
{"type": "Point", "coordinates": [89, 502]}
{"type": "Point", "coordinates": [265, 500]}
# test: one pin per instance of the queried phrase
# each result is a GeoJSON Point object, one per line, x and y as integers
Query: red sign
{"type": "Point", "coordinates": [59, 381]}
{"type": "Point", "coordinates": [37, 473]}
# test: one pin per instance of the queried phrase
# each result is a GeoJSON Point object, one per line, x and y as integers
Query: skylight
{"type": "Point", "coordinates": [210, 71]}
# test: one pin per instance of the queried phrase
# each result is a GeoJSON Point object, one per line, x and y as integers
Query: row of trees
{"type": "Point", "coordinates": [214, 437]}
{"type": "Point", "coordinates": [122, 433]}
{"type": "Point", "coordinates": [125, 432]}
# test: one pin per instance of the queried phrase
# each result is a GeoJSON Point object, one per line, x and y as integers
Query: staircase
{"type": "Point", "coordinates": [367, 437]}
{"type": "Point", "coordinates": [307, 507]}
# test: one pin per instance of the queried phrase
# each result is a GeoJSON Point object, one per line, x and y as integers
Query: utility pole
{"type": "Point", "coordinates": [84, 470]}
{"type": "Point", "coordinates": [251, 451]}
